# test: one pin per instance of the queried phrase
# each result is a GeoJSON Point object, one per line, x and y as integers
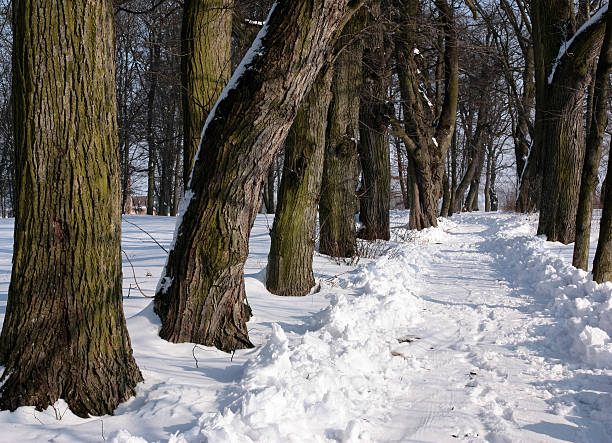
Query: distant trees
{"type": "Point", "coordinates": [426, 134]}
{"type": "Point", "coordinates": [64, 333]}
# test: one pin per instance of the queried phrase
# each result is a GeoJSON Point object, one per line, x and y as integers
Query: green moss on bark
{"type": "Point", "coordinates": [64, 334]}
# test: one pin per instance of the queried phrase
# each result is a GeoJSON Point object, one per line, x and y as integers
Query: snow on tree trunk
{"type": "Point", "coordinates": [201, 297]}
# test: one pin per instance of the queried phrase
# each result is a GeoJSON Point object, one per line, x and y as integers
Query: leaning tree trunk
{"type": "Point", "coordinates": [374, 139]}
{"type": "Point", "coordinates": [201, 297]}
{"type": "Point", "coordinates": [64, 334]}
{"type": "Point", "coordinates": [596, 128]}
{"type": "Point", "coordinates": [338, 200]}
{"type": "Point", "coordinates": [205, 67]}
{"type": "Point", "coordinates": [293, 234]}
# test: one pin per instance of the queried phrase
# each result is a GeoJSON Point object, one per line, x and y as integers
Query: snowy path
{"type": "Point", "coordinates": [483, 340]}
{"type": "Point", "coordinates": [474, 331]}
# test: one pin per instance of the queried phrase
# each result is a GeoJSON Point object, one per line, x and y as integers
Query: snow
{"type": "Point", "coordinates": [476, 330]}
{"type": "Point", "coordinates": [564, 46]}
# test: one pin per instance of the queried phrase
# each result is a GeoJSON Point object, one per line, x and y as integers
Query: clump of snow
{"type": "Point", "coordinates": [302, 387]}
{"type": "Point", "coordinates": [582, 308]}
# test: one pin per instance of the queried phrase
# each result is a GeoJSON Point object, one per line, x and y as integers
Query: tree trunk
{"type": "Point", "coordinates": [445, 196]}
{"type": "Point", "coordinates": [201, 297]}
{"type": "Point", "coordinates": [602, 264]}
{"type": "Point", "coordinates": [487, 188]}
{"type": "Point", "coordinates": [596, 128]}
{"type": "Point", "coordinates": [426, 134]}
{"type": "Point", "coordinates": [293, 234]}
{"type": "Point", "coordinates": [154, 55]}
{"type": "Point", "coordinates": [64, 334]}
{"type": "Point", "coordinates": [338, 200]}
{"type": "Point", "coordinates": [560, 85]}
{"type": "Point", "coordinates": [453, 170]}
{"type": "Point", "coordinates": [205, 67]}
{"type": "Point", "coordinates": [175, 186]}
{"type": "Point", "coordinates": [268, 192]}
{"type": "Point", "coordinates": [471, 201]}
{"type": "Point", "coordinates": [374, 139]}
{"type": "Point", "coordinates": [400, 172]}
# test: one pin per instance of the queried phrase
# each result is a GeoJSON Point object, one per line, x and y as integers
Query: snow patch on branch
{"type": "Point", "coordinates": [254, 22]}
{"type": "Point", "coordinates": [566, 45]}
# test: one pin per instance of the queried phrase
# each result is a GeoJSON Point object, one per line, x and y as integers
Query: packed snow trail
{"type": "Point", "coordinates": [473, 331]}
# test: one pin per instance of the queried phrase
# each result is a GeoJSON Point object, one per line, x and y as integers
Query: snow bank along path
{"type": "Point", "coordinates": [473, 331]}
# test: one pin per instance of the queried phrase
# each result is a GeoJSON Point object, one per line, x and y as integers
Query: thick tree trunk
{"type": "Point", "coordinates": [338, 200]}
{"type": "Point", "coordinates": [560, 86]}
{"type": "Point", "coordinates": [374, 138]}
{"type": "Point", "coordinates": [205, 67]}
{"type": "Point", "coordinates": [293, 235]}
{"type": "Point", "coordinates": [64, 334]}
{"type": "Point", "coordinates": [596, 127]}
{"type": "Point", "coordinates": [201, 297]}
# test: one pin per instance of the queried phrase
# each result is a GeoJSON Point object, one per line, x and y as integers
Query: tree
{"type": "Point", "coordinates": [338, 205]}
{"type": "Point", "coordinates": [205, 67]}
{"type": "Point", "coordinates": [373, 135]}
{"type": "Point", "coordinates": [64, 334]}
{"type": "Point", "coordinates": [596, 127]}
{"type": "Point", "coordinates": [563, 71]}
{"type": "Point", "coordinates": [426, 134]}
{"type": "Point", "coordinates": [293, 234]}
{"type": "Point", "coordinates": [201, 297]}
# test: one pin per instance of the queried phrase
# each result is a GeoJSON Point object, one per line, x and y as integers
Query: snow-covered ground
{"type": "Point", "coordinates": [474, 331]}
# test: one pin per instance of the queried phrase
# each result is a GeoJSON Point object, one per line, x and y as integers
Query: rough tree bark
{"type": "Point", "coordinates": [561, 79]}
{"type": "Point", "coordinates": [427, 136]}
{"type": "Point", "coordinates": [602, 263]}
{"type": "Point", "coordinates": [205, 67]}
{"type": "Point", "coordinates": [373, 144]}
{"type": "Point", "coordinates": [201, 297]}
{"type": "Point", "coordinates": [338, 204]}
{"type": "Point", "coordinates": [289, 271]}
{"type": "Point", "coordinates": [596, 127]}
{"type": "Point", "coordinates": [64, 334]}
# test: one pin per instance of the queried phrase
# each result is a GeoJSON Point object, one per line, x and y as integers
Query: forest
{"type": "Point", "coordinates": [305, 220]}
